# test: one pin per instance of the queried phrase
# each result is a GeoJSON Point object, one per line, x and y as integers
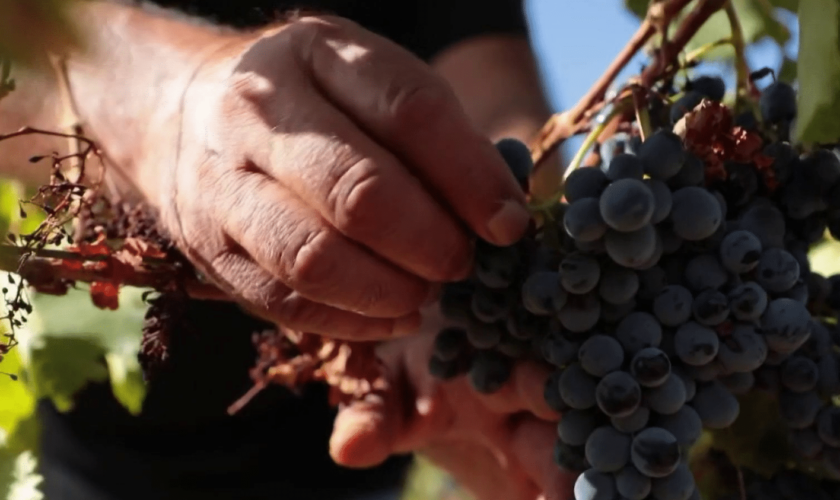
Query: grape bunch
{"type": "Point", "coordinates": [661, 293]}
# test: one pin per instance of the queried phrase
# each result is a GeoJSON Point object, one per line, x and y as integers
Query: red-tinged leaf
{"type": "Point", "coordinates": [105, 295]}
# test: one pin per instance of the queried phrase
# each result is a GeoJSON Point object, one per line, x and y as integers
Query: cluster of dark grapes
{"type": "Point", "coordinates": [661, 294]}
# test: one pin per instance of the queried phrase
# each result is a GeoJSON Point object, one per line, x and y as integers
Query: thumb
{"type": "Point", "coordinates": [364, 433]}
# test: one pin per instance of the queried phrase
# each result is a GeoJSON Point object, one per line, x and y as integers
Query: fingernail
{"type": "Point", "coordinates": [407, 325]}
{"type": "Point", "coordinates": [507, 225]}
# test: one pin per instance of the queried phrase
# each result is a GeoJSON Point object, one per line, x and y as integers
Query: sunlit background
{"type": "Point", "coordinates": [576, 40]}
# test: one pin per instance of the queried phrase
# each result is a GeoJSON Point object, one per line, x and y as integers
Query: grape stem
{"type": "Point", "coordinates": [741, 69]}
{"type": "Point", "coordinates": [642, 114]}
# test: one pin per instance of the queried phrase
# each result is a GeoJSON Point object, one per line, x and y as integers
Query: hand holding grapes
{"type": "Point", "coordinates": [320, 175]}
{"type": "Point", "coordinates": [497, 446]}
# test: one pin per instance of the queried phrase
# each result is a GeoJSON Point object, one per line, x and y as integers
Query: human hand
{"type": "Point", "coordinates": [326, 179]}
{"type": "Point", "coordinates": [497, 446]}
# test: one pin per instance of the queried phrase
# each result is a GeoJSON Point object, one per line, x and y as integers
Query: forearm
{"type": "Point", "coordinates": [131, 77]}
{"type": "Point", "coordinates": [498, 82]}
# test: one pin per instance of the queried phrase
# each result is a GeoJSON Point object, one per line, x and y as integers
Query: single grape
{"type": "Point", "coordinates": [667, 398]}
{"type": "Point", "coordinates": [608, 450]}
{"type": "Point", "coordinates": [777, 270]}
{"type": "Point", "coordinates": [600, 355]}
{"type": "Point", "coordinates": [496, 267]}
{"type": "Point", "coordinates": [662, 200]}
{"type": "Point", "coordinates": [710, 308]}
{"type": "Point", "coordinates": [617, 284]}
{"type": "Point", "coordinates": [767, 223]}
{"type": "Point", "coordinates": [551, 393]}
{"type": "Point", "coordinates": [689, 383]}
{"type": "Point", "coordinates": [632, 423]}
{"type": "Point", "coordinates": [489, 371]}
{"type": "Point", "coordinates": [483, 335]}
{"type": "Point", "coordinates": [595, 485]}
{"type": "Point", "coordinates": [489, 305]}
{"type": "Point", "coordinates": [786, 325]}
{"type": "Point", "coordinates": [577, 387]}
{"type": "Point", "coordinates": [559, 350]}
{"type": "Point", "coordinates": [542, 293]}
{"type": "Point", "coordinates": [715, 405]}
{"type": "Point", "coordinates": [711, 87]}
{"type": "Point", "coordinates": [632, 484]}
{"type": "Point", "coordinates": [747, 301]}
{"type": "Point", "coordinates": [777, 103]}
{"type": "Point", "coordinates": [679, 485]}
{"type": "Point", "coordinates": [696, 344]}
{"type": "Point", "coordinates": [576, 426]}
{"type": "Point", "coordinates": [685, 104]}
{"type": "Point", "coordinates": [585, 183]}
{"type": "Point", "coordinates": [518, 158]}
{"type": "Point", "coordinates": [579, 273]}
{"type": "Point", "coordinates": [651, 367]}
{"type": "Point", "coordinates": [662, 154]}
{"type": "Point", "coordinates": [705, 271]}
{"type": "Point", "coordinates": [829, 384]}
{"type": "Point", "coordinates": [799, 374]}
{"type": "Point", "coordinates": [570, 458]}
{"type": "Point", "coordinates": [692, 173]}
{"type": "Point", "coordinates": [631, 249]}
{"type": "Point", "coordinates": [450, 343]}
{"type": "Point", "coordinates": [583, 222]}
{"type": "Point", "coordinates": [685, 425]}
{"type": "Point", "coordinates": [740, 251]}
{"type": "Point", "coordinates": [655, 452]}
{"type": "Point", "coordinates": [672, 306]}
{"type": "Point", "coordinates": [637, 331]}
{"type": "Point", "coordinates": [743, 350]}
{"type": "Point", "coordinates": [695, 213]}
{"type": "Point", "coordinates": [618, 394]}
{"type": "Point", "coordinates": [627, 205]}
{"type": "Point", "coordinates": [625, 166]}
{"type": "Point", "coordinates": [580, 313]}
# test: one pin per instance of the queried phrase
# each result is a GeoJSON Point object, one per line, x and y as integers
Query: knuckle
{"type": "Point", "coordinates": [356, 198]}
{"type": "Point", "coordinates": [310, 262]}
{"type": "Point", "coordinates": [416, 102]}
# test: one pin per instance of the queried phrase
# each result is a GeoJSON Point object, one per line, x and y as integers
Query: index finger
{"type": "Point", "coordinates": [405, 105]}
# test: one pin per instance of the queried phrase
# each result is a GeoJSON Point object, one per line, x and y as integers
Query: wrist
{"type": "Point", "coordinates": [126, 88]}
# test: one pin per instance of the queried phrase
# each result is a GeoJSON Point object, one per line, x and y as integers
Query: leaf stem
{"type": "Point", "coordinates": [701, 51]}
{"type": "Point", "coordinates": [741, 69]}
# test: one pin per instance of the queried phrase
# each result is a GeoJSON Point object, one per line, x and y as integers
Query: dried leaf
{"type": "Point", "coordinates": [105, 295]}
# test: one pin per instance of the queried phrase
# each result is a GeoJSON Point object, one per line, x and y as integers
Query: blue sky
{"type": "Point", "coordinates": [576, 40]}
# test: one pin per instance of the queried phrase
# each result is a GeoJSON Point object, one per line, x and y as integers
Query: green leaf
{"type": "Point", "coordinates": [107, 342]}
{"type": "Point", "coordinates": [757, 23]}
{"type": "Point", "coordinates": [60, 366]}
{"type": "Point", "coordinates": [819, 72]}
{"type": "Point", "coordinates": [19, 479]}
{"type": "Point", "coordinates": [18, 426]}
{"type": "Point", "coordinates": [637, 7]}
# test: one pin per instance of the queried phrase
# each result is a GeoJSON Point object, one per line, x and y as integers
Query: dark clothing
{"type": "Point", "coordinates": [184, 446]}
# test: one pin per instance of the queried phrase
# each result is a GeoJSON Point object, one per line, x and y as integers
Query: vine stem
{"type": "Point", "coordinates": [701, 51]}
{"type": "Point", "coordinates": [49, 266]}
{"type": "Point", "coordinates": [563, 125]}
{"type": "Point", "coordinates": [741, 69]}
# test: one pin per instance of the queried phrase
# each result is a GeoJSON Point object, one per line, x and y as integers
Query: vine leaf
{"type": "Point", "coordinates": [106, 340]}
{"type": "Point", "coordinates": [17, 408]}
{"type": "Point", "coordinates": [19, 478]}
{"type": "Point", "coordinates": [757, 21]}
{"type": "Point", "coordinates": [819, 72]}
